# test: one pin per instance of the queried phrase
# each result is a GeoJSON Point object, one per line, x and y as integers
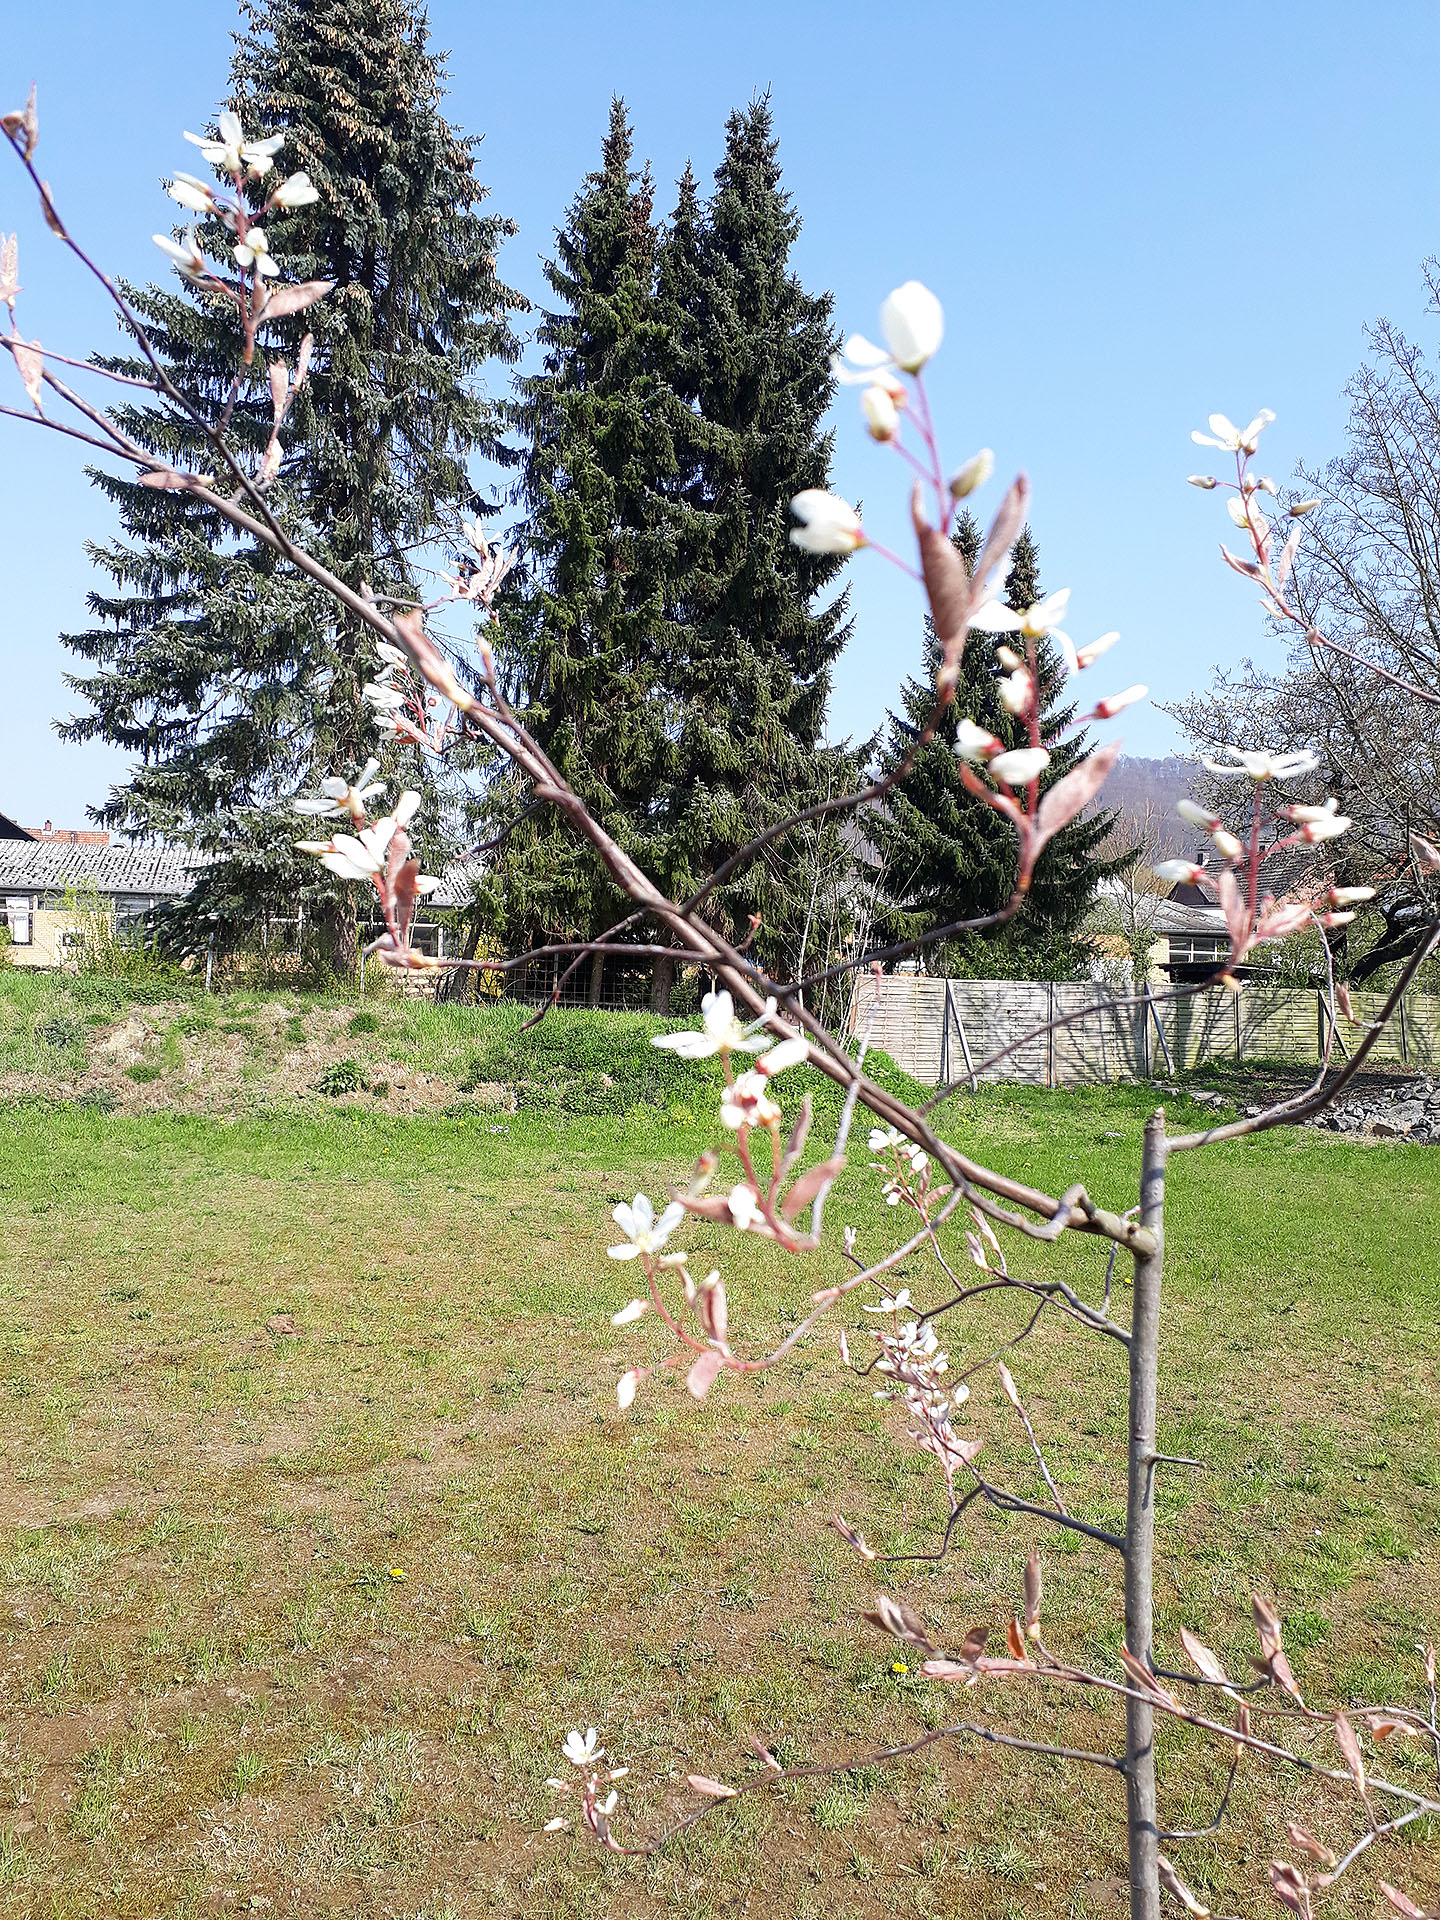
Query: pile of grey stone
{"type": "Point", "coordinates": [1397, 1110]}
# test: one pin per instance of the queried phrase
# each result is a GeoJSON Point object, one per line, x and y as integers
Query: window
{"type": "Point", "coordinates": [17, 916]}
{"type": "Point", "coordinates": [1197, 949]}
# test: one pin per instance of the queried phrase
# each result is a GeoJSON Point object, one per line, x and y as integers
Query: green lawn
{"type": "Point", "coordinates": [297, 1625]}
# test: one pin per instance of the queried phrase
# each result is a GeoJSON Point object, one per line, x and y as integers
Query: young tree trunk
{"type": "Point", "coordinates": [597, 975]}
{"type": "Point", "coordinates": [662, 983]}
{"type": "Point", "coordinates": [1140, 1530]}
{"type": "Point", "coordinates": [342, 936]}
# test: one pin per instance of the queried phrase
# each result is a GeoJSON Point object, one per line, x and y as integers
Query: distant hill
{"type": "Point", "coordinates": [1136, 783]}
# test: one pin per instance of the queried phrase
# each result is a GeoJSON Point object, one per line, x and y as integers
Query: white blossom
{"type": "Point", "coordinates": [1175, 871]}
{"type": "Point", "coordinates": [1020, 765]}
{"type": "Point", "coordinates": [892, 1304]}
{"type": "Point", "coordinates": [1196, 815]}
{"type": "Point", "coordinates": [643, 1232]}
{"type": "Point", "coordinates": [632, 1310]}
{"type": "Point", "coordinates": [234, 153]}
{"type": "Point", "coordinates": [719, 1031]}
{"type": "Point", "coordinates": [1036, 621]}
{"type": "Point", "coordinates": [580, 1749]}
{"type": "Point", "coordinates": [626, 1387]}
{"type": "Point", "coordinates": [343, 796]}
{"type": "Point", "coordinates": [744, 1205]}
{"type": "Point", "coordinates": [254, 251]}
{"type": "Point", "coordinates": [747, 1103]}
{"type": "Point", "coordinates": [828, 524]}
{"type": "Point", "coordinates": [1350, 896]}
{"type": "Point", "coordinates": [1263, 766]}
{"type": "Point", "coordinates": [1230, 438]}
{"type": "Point", "coordinates": [883, 1138]}
{"type": "Point", "coordinates": [913, 322]}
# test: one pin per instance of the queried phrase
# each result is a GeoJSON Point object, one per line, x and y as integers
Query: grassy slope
{"type": "Point", "coordinates": [215, 1688]}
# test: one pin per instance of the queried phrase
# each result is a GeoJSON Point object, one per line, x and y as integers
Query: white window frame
{"type": "Point", "coordinates": [19, 913]}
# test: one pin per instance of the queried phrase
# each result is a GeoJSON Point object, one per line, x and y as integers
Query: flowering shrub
{"type": "Point", "coordinates": [761, 1179]}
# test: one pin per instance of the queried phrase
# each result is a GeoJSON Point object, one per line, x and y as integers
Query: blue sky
{"type": "Point", "coordinates": [1134, 214]}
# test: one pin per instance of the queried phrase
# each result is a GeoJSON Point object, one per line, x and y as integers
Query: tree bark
{"type": "Point", "coordinates": [662, 983]}
{"type": "Point", "coordinates": [1140, 1799]}
{"type": "Point", "coordinates": [597, 975]}
{"type": "Point", "coordinates": [342, 937]}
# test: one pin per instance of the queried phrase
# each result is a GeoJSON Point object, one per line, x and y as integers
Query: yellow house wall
{"type": "Point", "coordinates": [48, 926]}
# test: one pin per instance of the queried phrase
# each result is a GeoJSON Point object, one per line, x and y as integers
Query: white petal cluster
{"type": "Point", "coordinates": [1035, 622]}
{"type": "Point", "coordinates": [748, 1104]}
{"type": "Point", "coordinates": [1020, 765]}
{"type": "Point", "coordinates": [719, 1031]}
{"type": "Point", "coordinates": [581, 1748]}
{"type": "Point", "coordinates": [343, 796]}
{"type": "Point", "coordinates": [298, 191]}
{"type": "Point", "coordinates": [1230, 438]}
{"type": "Point", "coordinates": [232, 153]}
{"type": "Point", "coordinates": [1260, 766]}
{"type": "Point", "coordinates": [644, 1233]}
{"type": "Point", "coordinates": [828, 524]}
{"type": "Point", "coordinates": [254, 251]}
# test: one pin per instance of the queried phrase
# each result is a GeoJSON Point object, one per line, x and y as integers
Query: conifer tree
{"type": "Point", "coordinates": [233, 682]}
{"type": "Point", "coordinates": [940, 855]}
{"type": "Point", "coordinates": [750, 349]}
{"type": "Point", "coordinates": [587, 653]}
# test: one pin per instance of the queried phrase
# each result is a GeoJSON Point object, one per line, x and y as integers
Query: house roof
{"type": "Point", "coordinates": [12, 829]}
{"type": "Point", "coordinates": [49, 866]}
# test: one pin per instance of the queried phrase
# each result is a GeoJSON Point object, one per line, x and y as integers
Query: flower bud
{"type": "Point", "coordinates": [1196, 815]}
{"type": "Point", "coordinates": [913, 323]}
{"type": "Point", "coordinates": [1008, 657]}
{"type": "Point", "coordinates": [1020, 766]}
{"type": "Point", "coordinates": [1302, 507]}
{"type": "Point", "coordinates": [975, 472]}
{"type": "Point", "coordinates": [1178, 871]}
{"type": "Point", "coordinates": [882, 416]}
{"type": "Point", "coordinates": [298, 191]}
{"type": "Point", "coordinates": [1087, 656]}
{"type": "Point", "coordinates": [1350, 896]}
{"type": "Point", "coordinates": [191, 193]}
{"type": "Point", "coordinates": [1205, 480]}
{"type": "Point", "coordinates": [1114, 703]}
{"type": "Point", "coordinates": [1230, 847]}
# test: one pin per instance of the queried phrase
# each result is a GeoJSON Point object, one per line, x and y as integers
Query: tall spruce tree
{"type": "Point", "coordinates": [752, 653]}
{"type": "Point", "coordinates": [940, 855]}
{"type": "Point", "coordinates": [232, 681]}
{"type": "Point", "coordinates": [588, 651]}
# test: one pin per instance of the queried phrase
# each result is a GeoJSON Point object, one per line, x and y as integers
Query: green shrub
{"type": "Point", "coordinates": [343, 1076]}
{"type": "Point", "coordinates": [363, 1022]}
{"type": "Point", "coordinates": [142, 1070]}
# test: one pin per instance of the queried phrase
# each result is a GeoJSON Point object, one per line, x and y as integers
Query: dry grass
{"type": "Point", "coordinates": [296, 1625]}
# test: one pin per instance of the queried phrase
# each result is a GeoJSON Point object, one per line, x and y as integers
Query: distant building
{"type": "Point", "coordinates": [48, 887]}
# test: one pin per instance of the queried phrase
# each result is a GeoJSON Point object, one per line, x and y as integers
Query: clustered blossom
{"type": "Point", "coordinates": [595, 1786]}
{"type": "Point", "coordinates": [912, 1358]}
{"type": "Point", "coordinates": [1251, 914]}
